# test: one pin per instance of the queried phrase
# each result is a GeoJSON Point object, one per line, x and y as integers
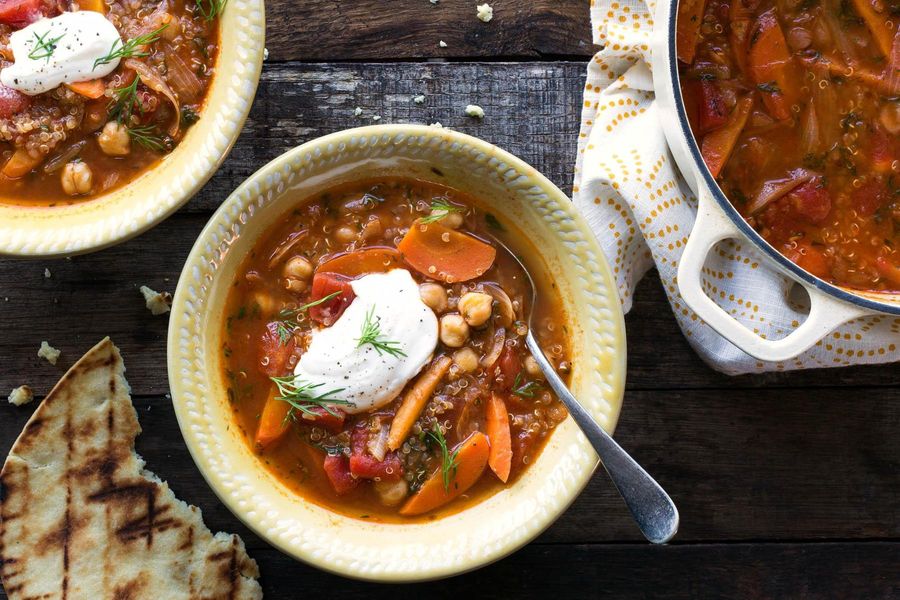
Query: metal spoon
{"type": "Point", "coordinates": [651, 507]}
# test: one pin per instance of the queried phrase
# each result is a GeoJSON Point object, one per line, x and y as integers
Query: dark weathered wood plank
{"type": "Point", "coordinates": [747, 465]}
{"type": "Point", "coordinates": [330, 30]}
{"type": "Point", "coordinates": [531, 110]}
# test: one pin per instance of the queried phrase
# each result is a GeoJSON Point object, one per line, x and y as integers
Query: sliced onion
{"type": "Point", "coordinates": [810, 134]}
{"type": "Point", "coordinates": [378, 444]}
{"type": "Point", "coordinates": [777, 188]}
{"type": "Point", "coordinates": [286, 246]}
{"type": "Point", "coordinates": [184, 81]}
{"type": "Point", "coordinates": [58, 162]}
{"type": "Point", "coordinates": [153, 80]}
{"type": "Point", "coordinates": [487, 361]}
{"type": "Point", "coordinates": [505, 310]}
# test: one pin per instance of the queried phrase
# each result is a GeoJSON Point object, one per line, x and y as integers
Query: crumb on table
{"type": "Point", "coordinates": [49, 353]}
{"type": "Point", "coordinates": [158, 302]}
{"type": "Point", "coordinates": [21, 395]}
{"type": "Point", "coordinates": [485, 12]}
{"type": "Point", "coordinates": [473, 110]}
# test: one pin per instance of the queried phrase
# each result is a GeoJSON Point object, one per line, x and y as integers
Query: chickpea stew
{"type": "Point", "coordinates": [93, 93]}
{"type": "Point", "coordinates": [374, 352]}
{"type": "Point", "coordinates": [796, 108]}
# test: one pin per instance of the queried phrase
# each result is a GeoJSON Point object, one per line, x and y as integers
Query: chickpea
{"type": "Point", "coordinates": [298, 268]}
{"type": "Point", "coordinates": [391, 493]}
{"type": "Point", "coordinates": [454, 330]}
{"type": "Point", "coordinates": [476, 307]}
{"type": "Point", "coordinates": [434, 296]}
{"type": "Point", "coordinates": [114, 139]}
{"type": "Point", "coordinates": [345, 234]}
{"type": "Point", "coordinates": [295, 285]}
{"type": "Point", "coordinates": [76, 178]}
{"type": "Point", "coordinates": [453, 220]}
{"type": "Point", "coordinates": [265, 302]}
{"type": "Point", "coordinates": [533, 369]}
{"type": "Point", "coordinates": [466, 359]}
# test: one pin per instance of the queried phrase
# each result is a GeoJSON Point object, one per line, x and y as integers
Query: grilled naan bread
{"type": "Point", "coordinates": [80, 518]}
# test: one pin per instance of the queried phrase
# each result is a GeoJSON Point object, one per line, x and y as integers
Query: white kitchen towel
{"type": "Point", "coordinates": [629, 189]}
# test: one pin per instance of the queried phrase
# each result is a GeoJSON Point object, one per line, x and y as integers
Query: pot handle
{"type": "Point", "coordinates": [713, 226]}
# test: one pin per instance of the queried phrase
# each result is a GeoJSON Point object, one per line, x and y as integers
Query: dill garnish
{"type": "Point", "coordinates": [525, 389]}
{"type": "Point", "coordinates": [124, 99]}
{"type": "Point", "coordinates": [210, 9]}
{"type": "Point", "coordinates": [449, 463]}
{"type": "Point", "coordinates": [44, 48]}
{"type": "Point", "coordinates": [440, 208]}
{"type": "Point", "coordinates": [371, 334]}
{"type": "Point", "coordinates": [149, 137]}
{"type": "Point", "coordinates": [304, 397]}
{"type": "Point", "coordinates": [129, 49]}
{"type": "Point", "coordinates": [285, 327]}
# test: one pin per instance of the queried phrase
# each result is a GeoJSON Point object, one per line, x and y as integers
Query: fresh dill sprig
{"type": "Point", "coordinates": [291, 313]}
{"type": "Point", "coordinates": [440, 208]}
{"type": "Point", "coordinates": [285, 332]}
{"type": "Point", "coordinates": [525, 389]}
{"type": "Point", "coordinates": [304, 397]}
{"type": "Point", "coordinates": [149, 137]}
{"type": "Point", "coordinates": [449, 464]}
{"type": "Point", "coordinates": [124, 99]}
{"type": "Point", "coordinates": [129, 49]}
{"type": "Point", "coordinates": [210, 9]}
{"type": "Point", "coordinates": [44, 48]}
{"type": "Point", "coordinates": [371, 334]}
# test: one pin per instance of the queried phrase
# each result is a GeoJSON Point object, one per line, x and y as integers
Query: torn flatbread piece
{"type": "Point", "coordinates": [81, 518]}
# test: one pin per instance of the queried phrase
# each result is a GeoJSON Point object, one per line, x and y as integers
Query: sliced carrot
{"type": "Point", "coordinates": [93, 89]}
{"type": "Point", "coordinates": [272, 423]}
{"type": "Point", "coordinates": [687, 33]}
{"type": "Point", "coordinates": [497, 427]}
{"type": "Point", "coordinates": [442, 253]}
{"type": "Point", "coordinates": [20, 164]}
{"type": "Point", "coordinates": [471, 459]}
{"type": "Point", "coordinates": [771, 66]}
{"type": "Point", "coordinates": [717, 145]}
{"type": "Point", "coordinates": [377, 259]}
{"type": "Point", "coordinates": [93, 5]}
{"type": "Point", "coordinates": [878, 24]}
{"type": "Point", "coordinates": [415, 400]}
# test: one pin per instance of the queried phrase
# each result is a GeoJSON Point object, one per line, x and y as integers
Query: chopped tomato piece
{"type": "Point", "coordinates": [869, 197]}
{"type": "Point", "coordinates": [19, 13]}
{"type": "Point", "coordinates": [376, 259]}
{"type": "Point", "coordinates": [889, 270]}
{"type": "Point", "coordinates": [273, 352]}
{"type": "Point", "coordinates": [445, 254]}
{"type": "Point", "coordinates": [771, 67]}
{"type": "Point", "coordinates": [332, 421]}
{"type": "Point", "coordinates": [324, 285]}
{"type": "Point", "coordinates": [811, 200]}
{"type": "Point", "coordinates": [510, 366]}
{"type": "Point", "coordinates": [712, 111]}
{"type": "Point", "coordinates": [881, 151]}
{"type": "Point", "coordinates": [12, 102]}
{"type": "Point", "coordinates": [365, 466]}
{"type": "Point", "coordinates": [338, 470]}
{"type": "Point", "coordinates": [717, 145]}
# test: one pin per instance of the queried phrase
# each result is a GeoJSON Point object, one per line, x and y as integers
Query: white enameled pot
{"type": "Point", "coordinates": [717, 220]}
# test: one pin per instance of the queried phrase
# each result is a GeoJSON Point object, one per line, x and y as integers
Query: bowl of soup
{"type": "Point", "coordinates": [347, 357]}
{"type": "Point", "coordinates": [114, 115]}
{"type": "Point", "coordinates": [784, 118]}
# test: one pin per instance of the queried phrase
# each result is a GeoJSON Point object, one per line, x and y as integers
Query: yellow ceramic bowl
{"type": "Point", "coordinates": [131, 210]}
{"type": "Point", "coordinates": [347, 546]}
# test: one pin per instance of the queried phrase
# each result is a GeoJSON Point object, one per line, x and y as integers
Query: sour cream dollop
{"type": "Point", "coordinates": [371, 379]}
{"type": "Point", "coordinates": [51, 52]}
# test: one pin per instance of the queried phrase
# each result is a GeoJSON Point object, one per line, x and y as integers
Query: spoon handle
{"type": "Point", "coordinates": [651, 507]}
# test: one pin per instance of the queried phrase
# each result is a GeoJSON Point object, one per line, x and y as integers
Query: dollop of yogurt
{"type": "Point", "coordinates": [367, 378]}
{"type": "Point", "coordinates": [64, 49]}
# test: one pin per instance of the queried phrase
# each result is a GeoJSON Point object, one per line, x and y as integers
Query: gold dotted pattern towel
{"type": "Point", "coordinates": [628, 187]}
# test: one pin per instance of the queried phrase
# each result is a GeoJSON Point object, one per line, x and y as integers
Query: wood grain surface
{"type": "Point", "coordinates": [787, 482]}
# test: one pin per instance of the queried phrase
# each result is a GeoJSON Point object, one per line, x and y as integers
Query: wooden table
{"type": "Point", "coordinates": [787, 483]}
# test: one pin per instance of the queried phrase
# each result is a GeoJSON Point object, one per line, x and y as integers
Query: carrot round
{"type": "Point", "coordinates": [377, 259]}
{"type": "Point", "coordinates": [93, 89]}
{"type": "Point", "coordinates": [20, 164]}
{"type": "Point", "coordinates": [443, 253]}
{"type": "Point", "coordinates": [415, 399]}
{"type": "Point", "coordinates": [471, 458]}
{"type": "Point", "coordinates": [272, 422]}
{"type": "Point", "coordinates": [497, 426]}
{"type": "Point", "coordinates": [771, 67]}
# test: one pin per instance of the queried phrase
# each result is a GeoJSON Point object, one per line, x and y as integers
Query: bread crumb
{"type": "Point", "coordinates": [442, 44]}
{"type": "Point", "coordinates": [265, 54]}
{"type": "Point", "coordinates": [473, 110]}
{"type": "Point", "coordinates": [485, 12]}
{"type": "Point", "coordinates": [21, 395]}
{"type": "Point", "coordinates": [47, 273]}
{"type": "Point", "coordinates": [157, 302]}
{"type": "Point", "coordinates": [48, 352]}
{"type": "Point", "coordinates": [420, 99]}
